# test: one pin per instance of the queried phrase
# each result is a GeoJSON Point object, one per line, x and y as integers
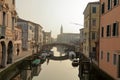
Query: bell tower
{"type": "Point", "coordinates": [61, 30]}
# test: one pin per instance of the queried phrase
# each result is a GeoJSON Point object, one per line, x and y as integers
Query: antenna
{"type": "Point", "coordinates": [77, 24]}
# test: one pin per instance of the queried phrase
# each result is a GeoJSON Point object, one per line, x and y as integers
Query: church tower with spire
{"type": "Point", "coordinates": [61, 30]}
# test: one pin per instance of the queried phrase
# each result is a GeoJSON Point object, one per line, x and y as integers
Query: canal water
{"type": "Point", "coordinates": [58, 70]}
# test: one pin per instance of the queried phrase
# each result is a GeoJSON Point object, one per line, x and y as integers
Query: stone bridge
{"type": "Point", "coordinates": [50, 45]}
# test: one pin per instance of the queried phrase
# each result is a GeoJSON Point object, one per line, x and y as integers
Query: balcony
{"type": "Point", "coordinates": [2, 31]}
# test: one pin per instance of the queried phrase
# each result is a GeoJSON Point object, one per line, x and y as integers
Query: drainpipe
{"type": "Point", "coordinates": [99, 34]}
{"type": "Point", "coordinates": [90, 33]}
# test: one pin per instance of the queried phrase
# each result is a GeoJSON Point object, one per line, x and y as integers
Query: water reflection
{"type": "Point", "coordinates": [57, 70]}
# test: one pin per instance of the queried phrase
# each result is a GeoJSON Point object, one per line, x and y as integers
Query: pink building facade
{"type": "Point", "coordinates": [109, 57]}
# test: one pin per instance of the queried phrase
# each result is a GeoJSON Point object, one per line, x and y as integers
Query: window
{"type": "Point", "coordinates": [115, 2]}
{"type": "Point", "coordinates": [94, 22]}
{"type": "Point", "coordinates": [30, 27]}
{"type": "Point", "coordinates": [13, 20]}
{"type": "Point", "coordinates": [93, 35]}
{"type": "Point", "coordinates": [108, 57]}
{"type": "Point", "coordinates": [115, 29]}
{"type": "Point", "coordinates": [93, 53]}
{"type": "Point", "coordinates": [101, 54]}
{"type": "Point", "coordinates": [94, 49]}
{"type": "Point", "coordinates": [118, 66]}
{"type": "Point", "coordinates": [93, 9]}
{"type": "Point", "coordinates": [114, 59]}
{"type": "Point", "coordinates": [103, 8]}
{"type": "Point", "coordinates": [4, 16]}
{"type": "Point", "coordinates": [102, 32]}
{"type": "Point", "coordinates": [13, 2]}
{"type": "Point", "coordinates": [109, 4]}
{"type": "Point", "coordinates": [108, 31]}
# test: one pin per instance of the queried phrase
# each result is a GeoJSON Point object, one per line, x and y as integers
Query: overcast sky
{"type": "Point", "coordinates": [50, 14]}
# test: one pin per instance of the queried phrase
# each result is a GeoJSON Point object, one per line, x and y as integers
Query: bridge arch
{"type": "Point", "coordinates": [58, 58]}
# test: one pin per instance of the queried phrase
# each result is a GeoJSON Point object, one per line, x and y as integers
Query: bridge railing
{"type": "Point", "coordinates": [50, 45]}
{"type": "Point", "coordinates": [61, 44]}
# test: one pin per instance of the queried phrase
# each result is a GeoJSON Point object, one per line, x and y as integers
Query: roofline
{"type": "Point", "coordinates": [97, 2]}
{"type": "Point", "coordinates": [82, 29]}
{"type": "Point", "coordinates": [71, 33]}
{"type": "Point", "coordinates": [23, 20]}
{"type": "Point", "coordinates": [35, 23]}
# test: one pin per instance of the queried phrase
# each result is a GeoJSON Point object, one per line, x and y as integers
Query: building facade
{"type": "Point", "coordinates": [110, 37]}
{"type": "Point", "coordinates": [28, 32]}
{"type": "Point", "coordinates": [17, 40]}
{"type": "Point", "coordinates": [38, 37]}
{"type": "Point", "coordinates": [91, 29]}
{"type": "Point", "coordinates": [8, 17]}
{"type": "Point", "coordinates": [47, 37]}
{"type": "Point", "coordinates": [81, 39]}
{"type": "Point", "coordinates": [69, 38]}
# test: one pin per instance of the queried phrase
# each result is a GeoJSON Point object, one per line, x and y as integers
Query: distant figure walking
{"type": "Point", "coordinates": [72, 55]}
{"type": "Point", "coordinates": [18, 51]}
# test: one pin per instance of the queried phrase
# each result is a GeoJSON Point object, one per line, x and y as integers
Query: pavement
{"type": "Point", "coordinates": [22, 55]}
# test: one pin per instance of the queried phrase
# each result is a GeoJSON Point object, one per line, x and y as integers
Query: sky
{"type": "Point", "coordinates": [51, 14]}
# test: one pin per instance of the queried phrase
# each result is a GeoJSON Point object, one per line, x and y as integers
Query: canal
{"type": "Point", "coordinates": [57, 70]}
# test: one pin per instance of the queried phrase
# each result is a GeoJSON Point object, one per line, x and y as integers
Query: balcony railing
{"type": "Point", "coordinates": [2, 31]}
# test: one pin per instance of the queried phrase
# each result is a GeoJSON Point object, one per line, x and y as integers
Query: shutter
{"type": "Point", "coordinates": [0, 7]}
{"type": "Point", "coordinates": [117, 29]}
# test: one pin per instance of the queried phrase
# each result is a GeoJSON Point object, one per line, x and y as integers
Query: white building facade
{"type": "Point", "coordinates": [27, 33]}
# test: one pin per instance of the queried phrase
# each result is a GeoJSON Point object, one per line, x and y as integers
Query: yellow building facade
{"type": "Point", "coordinates": [91, 29]}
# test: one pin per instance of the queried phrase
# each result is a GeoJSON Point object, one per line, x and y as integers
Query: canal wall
{"type": "Point", "coordinates": [93, 70]}
{"type": "Point", "coordinates": [12, 70]}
